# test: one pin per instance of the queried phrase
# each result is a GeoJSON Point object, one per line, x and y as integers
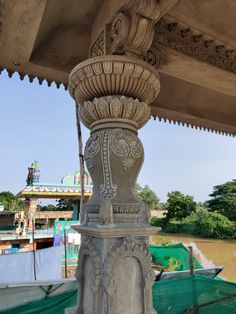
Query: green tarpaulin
{"type": "Point", "coordinates": [174, 257]}
{"type": "Point", "coordinates": [56, 304]}
{"type": "Point", "coordinates": [189, 295]}
{"type": "Point", "coordinates": [173, 297]}
{"type": "Point", "coordinates": [178, 296]}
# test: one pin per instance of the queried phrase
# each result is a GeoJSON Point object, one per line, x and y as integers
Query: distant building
{"type": "Point", "coordinates": [69, 188]}
{"type": "Point", "coordinates": [11, 242]}
{"type": "Point", "coordinates": [8, 219]}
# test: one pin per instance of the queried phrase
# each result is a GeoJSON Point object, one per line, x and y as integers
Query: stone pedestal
{"type": "Point", "coordinates": [114, 272]}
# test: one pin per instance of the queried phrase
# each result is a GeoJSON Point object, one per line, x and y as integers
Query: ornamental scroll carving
{"type": "Point", "coordinates": [100, 142]}
{"type": "Point", "coordinates": [91, 149]}
{"type": "Point", "coordinates": [109, 154]}
{"type": "Point", "coordinates": [156, 57]}
{"type": "Point", "coordinates": [118, 208]}
{"type": "Point", "coordinates": [126, 248]}
{"type": "Point", "coordinates": [101, 46]}
{"type": "Point", "coordinates": [132, 30]}
{"type": "Point", "coordinates": [122, 143]}
{"type": "Point", "coordinates": [98, 49]}
{"type": "Point", "coordinates": [107, 189]}
{"type": "Point", "coordinates": [126, 145]}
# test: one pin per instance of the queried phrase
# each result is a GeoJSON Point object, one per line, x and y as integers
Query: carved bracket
{"type": "Point", "coordinates": [132, 30]}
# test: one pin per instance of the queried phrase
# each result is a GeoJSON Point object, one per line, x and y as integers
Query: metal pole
{"type": "Point", "coordinates": [191, 260]}
{"type": "Point", "coordinates": [65, 253]}
{"type": "Point", "coordinates": [34, 256]}
{"type": "Point", "coordinates": [81, 160]}
{"type": "Point", "coordinates": [194, 308]}
{"type": "Point", "coordinates": [195, 297]}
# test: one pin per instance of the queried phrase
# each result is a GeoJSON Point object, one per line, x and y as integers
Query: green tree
{"type": "Point", "coordinates": [10, 202]}
{"type": "Point", "coordinates": [66, 204]}
{"type": "Point", "coordinates": [214, 225]}
{"type": "Point", "coordinates": [148, 196]}
{"type": "Point", "coordinates": [47, 207]}
{"type": "Point", "coordinates": [179, 205]}
{"type": "Point", "coordinates": [224, 199]}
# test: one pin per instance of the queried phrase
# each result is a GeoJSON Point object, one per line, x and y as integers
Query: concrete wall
{"type": "Point", "coordinates": [157, 213]}
{"type": "Point", "coordinates": [7, 219]}
{"type": "Point", "coordinates": [24, 244]}
{"type": "Point", "coordinates": [55, 214]}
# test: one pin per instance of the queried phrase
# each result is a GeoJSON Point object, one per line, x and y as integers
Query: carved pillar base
{"type": "Point", "coordinates": [114, 271]}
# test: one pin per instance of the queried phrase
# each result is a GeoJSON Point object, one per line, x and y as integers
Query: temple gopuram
{"type": "Point", "coordinates": [35, 190]}
{"type": "Point", "coordinates": [122, 63]}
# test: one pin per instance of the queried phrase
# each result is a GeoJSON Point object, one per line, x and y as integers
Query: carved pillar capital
{"type": "Point", "coordinates": [114, 75]}
{"type": "Point", "coordinates": [119, 111]}
{"type": "Point", "coordinates": [114, 91]}
{"type": "Point", "coordinates": [113, 94]}
{"type": "Point", "coordinates": [132, 30]}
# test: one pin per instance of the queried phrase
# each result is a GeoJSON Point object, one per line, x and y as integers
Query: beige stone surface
{"type": "Point", "coordinates": [46, 39]}
{"type": "Point", "coordinates": [158, 213]}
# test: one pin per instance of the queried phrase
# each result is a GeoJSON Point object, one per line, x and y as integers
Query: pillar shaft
{"type": "Point", "coordinates": [114, 272]}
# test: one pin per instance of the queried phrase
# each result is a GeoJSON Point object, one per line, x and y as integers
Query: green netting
{"type": "Point", "coordinates": [7, 228]}
{"type": "Point", "coordinates": [172, 257]}
{"type": "Point", "coordinates": [178, 296]}
{"type": "Point", "coordinates": [56, 304]}
{"type": "Point", "coordinates": [169, 297]}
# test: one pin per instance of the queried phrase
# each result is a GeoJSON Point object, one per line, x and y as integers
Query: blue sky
{"type": "Point", "coordinates": [38, 122]}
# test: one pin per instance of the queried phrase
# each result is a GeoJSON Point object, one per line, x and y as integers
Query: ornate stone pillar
{"type": "Point", "coordinates": [113, 93]}
{"type": "Point", "coordinates": [30, 207]}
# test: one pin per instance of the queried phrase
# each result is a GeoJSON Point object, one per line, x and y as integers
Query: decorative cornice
{"type": "Point", "coordinates": [195, 45]}
{"type": "Point", "coordinates": [191, 125]}
{"type": "Point", "coordinates": [32, 78]}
